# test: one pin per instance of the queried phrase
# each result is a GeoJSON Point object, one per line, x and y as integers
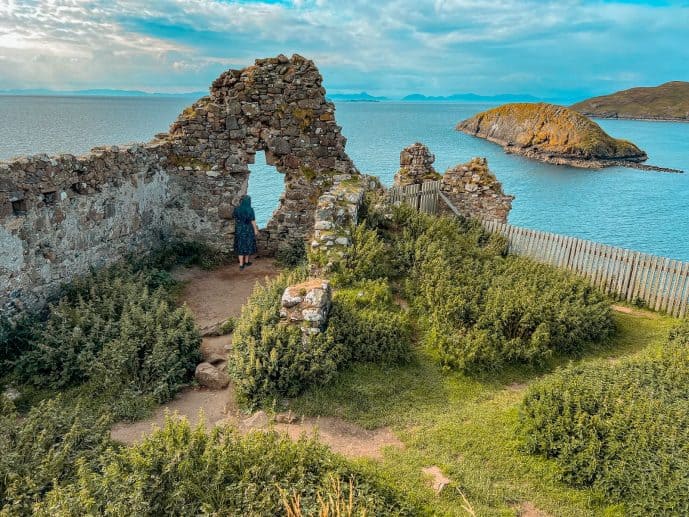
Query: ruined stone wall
{"type": "Point", "coordinates": [475, 191]}
{"type": "Point", "coordinates": [277, 106]}
{"type": "Point", "coordinates": [471, 187]}
{"type": "Point", "coordinates": [416, 166]}
{"type": "Point", "coordinates": [61, 216]}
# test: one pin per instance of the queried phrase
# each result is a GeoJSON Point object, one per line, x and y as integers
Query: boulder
{"type": "Point", "coordinates": [211, 377]}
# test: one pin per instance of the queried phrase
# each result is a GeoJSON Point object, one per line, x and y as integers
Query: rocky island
{"type": "Point", "coordinates": [669, 101]}
{"type": "Point", "coordinates": [554, 134]}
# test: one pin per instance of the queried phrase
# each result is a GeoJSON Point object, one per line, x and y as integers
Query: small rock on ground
{"type": "Point", "coordinates": [211, 377]}
{"type": "Point", "coordinates": [258, 420]}
{"type": "Point", "coordinates": [438, 479]}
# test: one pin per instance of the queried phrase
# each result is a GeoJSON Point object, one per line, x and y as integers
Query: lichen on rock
{"type": "Point", "coordinates": [552, 134]}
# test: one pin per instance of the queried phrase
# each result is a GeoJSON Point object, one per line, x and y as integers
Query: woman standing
{"type": "Point", "coordinates": [245, 232]}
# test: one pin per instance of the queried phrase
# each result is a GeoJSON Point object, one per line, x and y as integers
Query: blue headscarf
{"type": "Point", "coordinates": [244, 212]}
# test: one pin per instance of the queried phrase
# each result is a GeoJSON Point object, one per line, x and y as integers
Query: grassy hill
{"type": "Point", "coordinates": [669, 101]}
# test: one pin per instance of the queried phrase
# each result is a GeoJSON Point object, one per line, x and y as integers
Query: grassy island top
{"type": "Point", "coordinates": [549, 129]}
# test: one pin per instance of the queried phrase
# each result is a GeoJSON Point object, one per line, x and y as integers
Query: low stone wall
{"type": "Point", "coordinates": [61, 216]}
{"type": "Point", "coordinates": [337, 211]}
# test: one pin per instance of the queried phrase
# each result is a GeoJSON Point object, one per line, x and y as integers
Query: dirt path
{"type": "Point", "coordinates": [638, 313]}
{"type": "Point", "coordinates": [213, 296]}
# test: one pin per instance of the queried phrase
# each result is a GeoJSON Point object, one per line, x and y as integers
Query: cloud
{"type": "Point", "coordinates": [390, 47]}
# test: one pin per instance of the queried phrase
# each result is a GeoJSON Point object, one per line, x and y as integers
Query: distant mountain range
{"type": "Point", "coordinates": [339, 97]}
{"type": "Point", "coordinates": [418, 97]}
{"type": "Point", "coordinates": [472, 97]}
{"type": "Point", "coordinates": [98, 93]}
{"type": "Point", "coordinates": [361, 97]}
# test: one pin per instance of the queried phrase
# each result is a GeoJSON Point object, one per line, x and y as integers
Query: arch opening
{"type": "Point", "coordinates": [266, 185]}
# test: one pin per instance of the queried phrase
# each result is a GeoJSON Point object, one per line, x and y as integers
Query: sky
{"type": "Point", "coordinates": [566, 48]}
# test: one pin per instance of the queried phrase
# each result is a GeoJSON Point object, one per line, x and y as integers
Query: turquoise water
{"type": "Point", "coordinates": [645, 211]}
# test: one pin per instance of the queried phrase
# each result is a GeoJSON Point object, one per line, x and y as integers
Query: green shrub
{"type": "Point", "coordinates": [15, 339]}
{"type": "Point", "coordinates": [270, 358]}
{"type": "Point", "coordinates": [183, 253]}
{"type": "Point", "coordinates": [292, 254]}
{"type": "Point", "coordinates": [480, 309]}
{"type": "Point", "coordinates": [367, 322]}
{"type": "Point", "coordinates": [527, 312]}
{"type": "Point", "coordinates": [227, 326]}
{"type": "Point", "coordinates": [112, 331]}
{"type": "Point", "coordinates": [622, 429]}
{"type": "Point", "coordinates": [183, 471]}
{"type": "Point", "coordinates": [45, 447]}
{"type": "Point", "coordinates": [367, 258]}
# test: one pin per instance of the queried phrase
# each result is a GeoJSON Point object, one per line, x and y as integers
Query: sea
{"type": "Point", "coordinates": [639, 210]}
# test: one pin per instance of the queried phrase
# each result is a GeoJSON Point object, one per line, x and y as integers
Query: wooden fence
{"type": "Point", "coordinates": [423, 197]}
{"type": "Point", "coordinates": [660, 283]}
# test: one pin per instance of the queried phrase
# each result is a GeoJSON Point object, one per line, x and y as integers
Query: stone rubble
{"type": "Point", "coordinates": [307, 305]}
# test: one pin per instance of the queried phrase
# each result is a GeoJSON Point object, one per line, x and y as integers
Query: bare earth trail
{"type": "Point", "coordinates": [213, 296]}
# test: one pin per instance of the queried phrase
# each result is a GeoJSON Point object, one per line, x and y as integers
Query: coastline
{"type": "Point", "coordinates": [571, 161]}
{"type": "Point", "coordinates": [640, 119]}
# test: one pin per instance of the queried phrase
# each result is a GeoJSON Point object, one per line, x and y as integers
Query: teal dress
{"type": "Point", "coordinates": [244, 236]}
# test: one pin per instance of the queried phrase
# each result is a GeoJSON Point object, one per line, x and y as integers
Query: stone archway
{"type": "Point", "coordinates": [61, 216]}
{"type": "Point", "coordinates": [277, 106]}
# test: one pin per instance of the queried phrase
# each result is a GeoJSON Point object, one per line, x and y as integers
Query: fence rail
{"type": "Point", "coordinates": [661, 283]}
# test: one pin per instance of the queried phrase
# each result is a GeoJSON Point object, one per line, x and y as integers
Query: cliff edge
{"type": "Point", "coordinates": [552, 134]}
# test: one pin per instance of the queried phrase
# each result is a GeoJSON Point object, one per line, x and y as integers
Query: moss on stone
{"type": "Point", "coordinates": [304, 116]}
{"type": "Point", "coordinates": [177, 160]}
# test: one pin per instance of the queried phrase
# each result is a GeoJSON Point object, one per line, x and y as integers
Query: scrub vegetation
{"type": "Point", "coordinates": [516, 380]}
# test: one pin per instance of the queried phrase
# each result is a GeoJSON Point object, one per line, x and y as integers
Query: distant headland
{"type": "Point", "coordinates": [669, 101]}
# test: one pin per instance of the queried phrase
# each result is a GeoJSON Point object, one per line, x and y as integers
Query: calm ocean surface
{"type": "Point", "coordinates": [645, 211]}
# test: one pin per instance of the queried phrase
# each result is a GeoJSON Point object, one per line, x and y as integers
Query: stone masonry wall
{"type": "Point", "coordinates": [61, 216]}
{"type": "Point", "coordinates": [471, 187]}
{"type": "Point", "coordinates": [277, 106]}
{"type": "Point", "coordinates": [475, 191]}
{"type": "Point", "coordinates": [416, 166]}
